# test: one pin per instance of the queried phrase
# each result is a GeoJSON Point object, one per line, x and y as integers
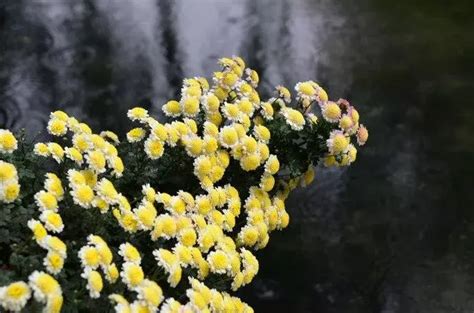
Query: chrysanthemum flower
{"type": "Point", "coordinates": [83, 195]}
{"type": "Point", "coordinates": [132, 274]}
{"type": "Point", "coordinates": [190, 106]}
{"type": "Point", "coordinates": [44, 286]}
{"type": "Point", "coordinates": [53, 262]}
{"type": "Point", "coordinates": [52, 221]}
{"type": "Point", "coordinates": [56, 151]}
{"type": "Point", "coordinates": [53, 243]}
{"type": "Point", "coordinates": [54, 186]}
{"type": "Point", "coordinates": [129, 253]}
{"type": "Point", "coordinates": [106, 190]}
{"type": "Point", "coordinates": [351, 153]}
{"type": "Point", "coordinates": [74, 155]}
{"type": "Point", "coordinates": [248, 236]}
{"type": "Point", "coordinates": [272, 165]}
{"type": "Point", "coordinates": [210, 102]}
{"type": "Point", "coordinates": [81, 142]}
{"type": "Point", "coordinates": [293, 118]}
{"type": "Point", "coordinates": [362, 135]}
{"type": "Point", "coordinates": [46, 201]}
{"type": "Point", "coordinates": [96, 160]}
{"type": "Point", "coordinates": [228, 136]}
{"type": "Point", "coordinates": [267, 182]}
{"type": "Point", "coordinates": [14, 296]}
{"type": "Point", "coordinates": [154, 148]}
{"type": "Point", "coordinates": [136, 134]}
{"type": "Point", "coordinates": [346, 123]}
{"type": "Point", "coordinates": [262, 133]}
{"type": "Point", "coordinates": [232, 112]}
{"type": "Point", "coordinates": [187, 237]}
{"type": "Point", "coordinates": [137, 114]}
{"type": "Point", "coordinates": [41, 149]}
{"type": "Point", "coordinates": [165, 226]}
{"type": "Point", "coordinates": [331, 111]}
{"type": "Point", "coordinates": [250, 162]}
{"type": "Point", "coordinates": [39, 232]}
{"type": "Point", "coordinates": [150, 294]}
{"type": "Point", "coordinates": [57, 127]}
{"type": "Point", "coordinates": [305, 89]}
{"type": "Point", "coordinates": [218, 261]}
{"type": "Point", "coordinates": [75, 178]}
{"type": "Point", "coordinates": [111, 136]}
{"type": "Point", "coordinates": [94, 282]}
{"type": "Point", "coordinates": [171, 108]}
{"type": "Point", "coordinates": [337, 142]}
{"type": "Point", "coordinates": [8, 142]}
{"type": "Point", "coordinates": [166, 259]}
{"type": "Point", "coordinates": [90, 257]}
{"type": "Point", "coordinates": [111, 273]}
{"type": "Point", "coordinates": [61, 115]}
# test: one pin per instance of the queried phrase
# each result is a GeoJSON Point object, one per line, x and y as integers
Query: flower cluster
{"type": "Point", "coordinates": [9, 186]}
{"type": "Point", "coordinates": [234, 153]}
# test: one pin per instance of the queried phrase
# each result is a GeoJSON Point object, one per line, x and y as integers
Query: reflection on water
{"type": "Point", "coordinates": [392, 234]}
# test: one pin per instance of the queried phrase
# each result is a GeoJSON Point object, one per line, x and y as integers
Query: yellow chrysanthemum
{"type": "Point", "coordinates": [46, 201]}
{"type": "Point", "coordinates": [331, 111]}
{"type": "Point", "coordinates": [218, 261]}
{"type": "Point", "coordinates": [136, 134]}
{"type": "Point", "coordinates": [83, 195]}
{"type": "Point", "coordinates": [57, 127]}
{"type": "Point", "coordinates": [190, 106]}
{"type": "Point", "coordinates": [154, 148]}
{"type": "Point", "coordinates": [44, 286]}
{"type": "Point", "coordinates": [293, 118]}
{"type": "Point", "coordinates": [337, 142]}
{"type": "Point", "coordinates": [8, 142]}
{"type": "Point", "coordinates": [95, 283]}
{"type": "Point", "coordinates": [132, 274]}
{"type": "Point", "coordinates": [137, 114]}
{"type": "Point", "coordinates": [14, 296]}
{"type": "Point", "coordinates": [129, 253]}
{"type": "Point", "coordinates": [53, 262]}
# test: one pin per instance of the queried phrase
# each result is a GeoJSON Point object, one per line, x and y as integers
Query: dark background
{"type": "Point", "coordinates": [395, 232]}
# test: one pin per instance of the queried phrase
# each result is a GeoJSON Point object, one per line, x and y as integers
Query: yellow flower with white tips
{"type": "Point", "coordinates": [53, 262]}
{"type": "Point", "coordinates": [132, 274]}
{"type": "Point", "coordinates": [8, 142]}
{"type": "Point", "coordinates": [190, 106]}
{"type": "Point", "coordinates": [331, 111]}
{"type": "Point", "coordinates": [136, 134]}
{"type": "Point", "coordinates": [154, 148]}
{"type": "Point", "coordinates": [137, 114]}
{"type": "Point", "coordinates": [90, 257]}
{"type": "Point", "coordinates": [14, 296]}
{"type": "Point", "coordinates": [293, 118]}
{"type": "Point", "coordinates": [52, 221]}
{"type": "Point", "coordinates": [95, 283]}
{"type": "Point", "coordinates": [150, 294]}
{"type": "Point", "coordinates": [41, 149]}
{"type": "Point", "coordinates": [46, 201]}
{"type": "Point", "coordinates": [83, 195]}
{"type": "Point", "coordinates": [57, 127]}
{"type": "Point", "coordinates": [56, 151]}
{"type": "Point", "coordinates": [130, 253]}
{"type": "Point", "coordinates": [337, 142]}
{"type": "Point", "coordinates": [44, 286]}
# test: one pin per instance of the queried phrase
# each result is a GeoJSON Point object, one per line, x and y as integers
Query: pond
{"type": "Point", "coordinates": [395, 232]}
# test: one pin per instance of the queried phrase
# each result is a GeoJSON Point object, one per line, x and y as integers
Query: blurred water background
{"type": "Point", "coordinates": [395, 233]}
